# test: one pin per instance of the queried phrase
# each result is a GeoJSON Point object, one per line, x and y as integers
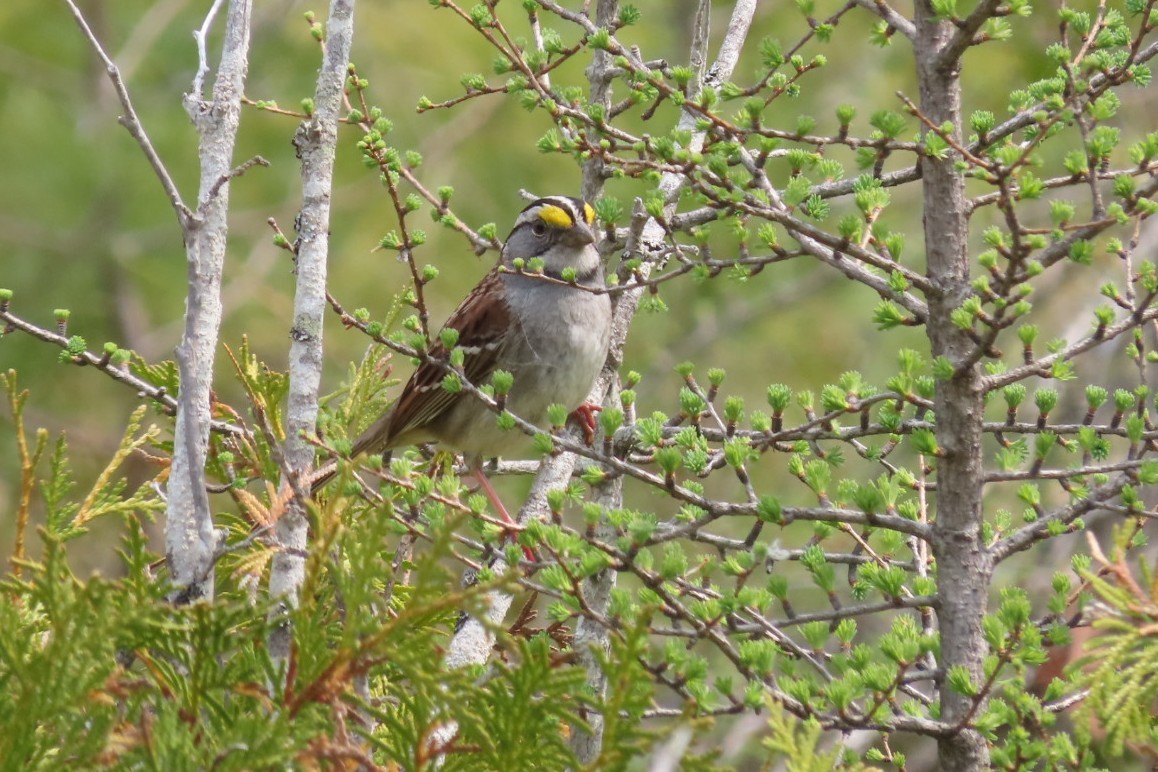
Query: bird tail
{"type": "Point", "coordinates": [322, 475]}
{"type": "Point", "coordinates": [371, 441]}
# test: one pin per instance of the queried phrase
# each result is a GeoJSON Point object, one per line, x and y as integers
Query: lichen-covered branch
{"type": "Point", "coordinates": [190, 542]}
{"type": "Point", "coordinates": [316, 142]}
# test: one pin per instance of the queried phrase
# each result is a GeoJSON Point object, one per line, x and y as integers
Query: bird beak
{"type": "Point", "coordinates": [579, 235]}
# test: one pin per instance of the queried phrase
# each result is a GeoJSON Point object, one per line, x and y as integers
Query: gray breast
{"type": "Point", "coordinates": [563, 345]}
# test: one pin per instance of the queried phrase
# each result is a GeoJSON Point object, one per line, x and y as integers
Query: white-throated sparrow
{"type": "Point", "coordinates": [550, 332]}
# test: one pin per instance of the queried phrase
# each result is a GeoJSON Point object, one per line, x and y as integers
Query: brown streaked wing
{"type": "Point", "coordinates": [482, 321]}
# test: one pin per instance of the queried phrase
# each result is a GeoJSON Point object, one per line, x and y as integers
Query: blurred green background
{"type": "Point", "coordinates": [84, 224]}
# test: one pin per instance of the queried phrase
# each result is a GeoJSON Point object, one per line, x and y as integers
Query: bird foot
{"type": "Point", "coordinates": [585, 415]}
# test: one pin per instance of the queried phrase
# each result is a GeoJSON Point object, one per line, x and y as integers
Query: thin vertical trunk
{"type": "Point", "coordinates": [963, 565]}
{"type": "Point", "coordinates": [190, 541]}
{"type": "Point", "coordinates": [316, 142]}
{"type": "Point", "coordinates": [591, 638]}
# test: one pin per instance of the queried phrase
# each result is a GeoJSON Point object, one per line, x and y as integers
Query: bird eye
{"type": "Point", "coordinates": [539, 229]}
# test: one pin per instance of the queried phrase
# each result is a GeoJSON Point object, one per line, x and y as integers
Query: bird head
{"type": "Point", "coordinates": [559, 231]}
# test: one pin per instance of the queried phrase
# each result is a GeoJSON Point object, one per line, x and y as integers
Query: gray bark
{"type": "Point", "coordinates": [472, 642]}
{"type": "Point", "coordinates": [591, 638]}
{"type": "Point", "coordinates": [316, 142]}
{"type": "Point", "coordinates": [190, 542]}
{"type": "Point", "coordinates": [963, 564]}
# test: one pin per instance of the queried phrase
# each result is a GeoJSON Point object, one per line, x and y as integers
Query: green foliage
{"type": "Point", "coordinates": [109, 671]}
{"type": "Point", "coordinates": [798, 744]}
{"type": "Point", "coordinates": [1121, 668]}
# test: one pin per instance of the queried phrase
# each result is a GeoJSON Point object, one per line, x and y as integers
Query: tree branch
{"type": "Point", "coordinates": [316, 142]}
{"type": "Point", "coordinates": [963, 38]}
{"type": "Point", "coordinates": [190, 541]}
{"type": "Point", "coordinates": [889, 14]}
{"type": "Point", "coordinates": [131, 122]}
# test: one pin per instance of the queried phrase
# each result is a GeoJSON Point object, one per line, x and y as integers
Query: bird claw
{"type": "Point", "coordinates": [585, 415]}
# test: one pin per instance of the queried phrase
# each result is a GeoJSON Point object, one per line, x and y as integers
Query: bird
{"type": "Point", "coordinates": [551, 330]}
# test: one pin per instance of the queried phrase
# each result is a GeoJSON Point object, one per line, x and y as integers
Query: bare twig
{"type": "Point", "coordinates": [200, 36]}
{"type": "Point", "coordinates": [158, 394]}
{"type": "Point", "coordinates": [131, 122]}
{"type": "Point", "coordinates": [890, 15]}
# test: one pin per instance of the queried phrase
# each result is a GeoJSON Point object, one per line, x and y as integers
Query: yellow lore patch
{"type": "Point", "coordinates": [556, 216]}
{"type": "Point", "coordinates": [588, 213]}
